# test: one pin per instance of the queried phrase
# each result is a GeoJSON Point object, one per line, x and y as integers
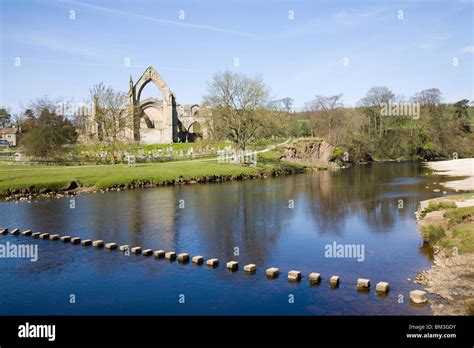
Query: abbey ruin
{"type": "Point", "coordinates": [155, 121]}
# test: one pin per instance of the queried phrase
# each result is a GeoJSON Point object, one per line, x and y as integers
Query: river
{"type": "Point", "coordinates": [286, 222]}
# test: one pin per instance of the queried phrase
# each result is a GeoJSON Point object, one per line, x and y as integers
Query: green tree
{"type": "Point", "coordinates": [5, 118]}
{"type": "Point", "coordinates": [48, 132]}
{"type": "Point", "coordinates": [305, 129]}
{"type": "Point", "coordinates": [461, 114]}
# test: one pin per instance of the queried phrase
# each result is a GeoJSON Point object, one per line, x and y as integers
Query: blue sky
{"type": "Point", "coordinates": [297, 57]}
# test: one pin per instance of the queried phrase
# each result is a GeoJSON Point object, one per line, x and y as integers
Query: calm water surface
{"type": "Point", "coordinates": [359, 205]}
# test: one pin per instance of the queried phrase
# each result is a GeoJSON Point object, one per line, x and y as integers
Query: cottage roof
{"type": "Point", "coordinates": [9, 130]}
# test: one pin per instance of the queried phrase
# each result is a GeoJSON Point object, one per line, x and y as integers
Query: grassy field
{"type": "Point", "coordinates": [455, 228]}
{"type": "Point", "coordinates": [176, 146]}
{"type": "Point", "coordinates": [127, 147]}
{"type": "Point", "coordinates": [38, 178]}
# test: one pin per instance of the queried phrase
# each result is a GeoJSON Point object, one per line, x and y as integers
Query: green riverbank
{"type": "Point", "coordinates": [447, 225]}
{"type": "Point", "coordinates": [19, 181]}
{"type": "Point", "coordinates": [448, 222]}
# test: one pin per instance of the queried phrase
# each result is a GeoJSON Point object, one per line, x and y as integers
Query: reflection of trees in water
{"type": "Point", "coordinates": [135, 216]}
{"type": "Point", "coordinates": [152, 215]}
{"type": "Point", "coordinates": [103, 212]}
{"type": "Point", "coordinates": [264, 214]}
{"type": "Point", "coordinates": [250, 215]}
{"type": "Point", "coordinates": [247, 215]}
{"type": "Point", "coordinates": [327, 202]}
{"type": "Point", "coordinates": [332, 196]}
{"type": "Point", "coordinates": [163, 216]}
{"type": "Point", "coordinates": [47, 216]}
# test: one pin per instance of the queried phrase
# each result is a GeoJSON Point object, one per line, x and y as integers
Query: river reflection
{"type": "Point", "coordinates": [283, 222]}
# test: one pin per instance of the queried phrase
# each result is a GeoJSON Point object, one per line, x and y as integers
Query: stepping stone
{"type": "Point", "coordinates": [36, 234]}
{"type": "Point", "coordinates": [314, 278]}
{"type": "Point", "coordinates": [382, 287]}
{"type": "Point", "coordinates": [198, 260]}
{"type": "Point", "coordinates": [272, 272]}
{"type": "Point", "coordinates": [334, 281]}
{"type": "Point", "coordinates": [363, 284]}
{"type": "Point", "coordinates": [159, 254]}
{"type": "Point", "coordinates": [124, 248]}
{"type": "Point", "coordinates": [171, 255]}
{"type": "Point", "coordinates": [44, 235]}
{"type": "Point", "coordinates": [250, 268]}
{"type": "Point", "coordinates": [75, 240]}
{"type": "Point", "coordinates": [213, 262]}
{"type": "Point", "coordinates": [232, 265]}
{"type": "Point", "coordinates": [418, 296]}
{"type": "Point", "coordinates": [183, 258]}
{"type": "Point", "coordinates": [86, 242]}
{"type": "Point", "coordinates": [136, 250]}
{"type": "Point", "coordinates": [294, 276]}
{"type": "Point", "coordinates": [15, 232]}
{"type": "Point", "coordinates": [54, 237]}
{"type": "Point", "coordinates": [147, 252]}
{"type": "Point", "coordinates": [27, 233]}
{"type": "Point", "coordinates": [98, 243]}
{"type": "Point", "coordinates": [65, 239]}
{"type": "Point", "coordinates": [111, 246]}
{"type": "Point", "coordinates": [4, 231]}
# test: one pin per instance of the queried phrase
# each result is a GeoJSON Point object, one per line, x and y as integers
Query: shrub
{"type": "Point", "coordinates": [337, 154]}
{"type": "Point", "coordinates": [435, 206]}
{"type": "Point", "coordinates": [432, 233]}
{"type": "Point", "coordinates": [459, 215]}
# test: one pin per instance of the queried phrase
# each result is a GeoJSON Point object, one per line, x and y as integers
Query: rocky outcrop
{"type": "Point", "coordinates": [309, 151]}
{"type": "Point", "coordinates": [450, 280]}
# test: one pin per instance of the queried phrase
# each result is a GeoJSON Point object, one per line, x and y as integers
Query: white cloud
{"type": "Point", "coordinates": [329, 23]}
{"type": "Point", "coordinates": [111, 65]}
{"type": "Point", "coordinates": [166, 22]}
{"type": "Point", "coordinates": [56, 45]}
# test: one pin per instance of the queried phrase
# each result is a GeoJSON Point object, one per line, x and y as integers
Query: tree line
{"type": "Point", "coordinates": [243, 111]}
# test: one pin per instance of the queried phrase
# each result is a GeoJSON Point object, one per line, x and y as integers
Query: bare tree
{"type": "Point", "coordinates": [283, 105]}
{"type": "Point", "coordinates": [288, 104]}
{"type": "Point", "coordinates": [109, 115]}
{"type": "Point", "coordinates": [429, 97]}
{"type": "Point", "coordinates": [328, 109]}
{"type": "Point", "coordinates": [372, 104]}
{"type": "Point", "coordinates": [239, 104]}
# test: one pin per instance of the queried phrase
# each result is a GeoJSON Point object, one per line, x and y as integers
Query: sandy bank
{"type": "Point", "coordinates": [456, 168]}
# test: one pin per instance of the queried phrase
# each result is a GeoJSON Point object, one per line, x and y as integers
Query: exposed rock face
{"type": "Point", "coordinates": [309, 151]}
